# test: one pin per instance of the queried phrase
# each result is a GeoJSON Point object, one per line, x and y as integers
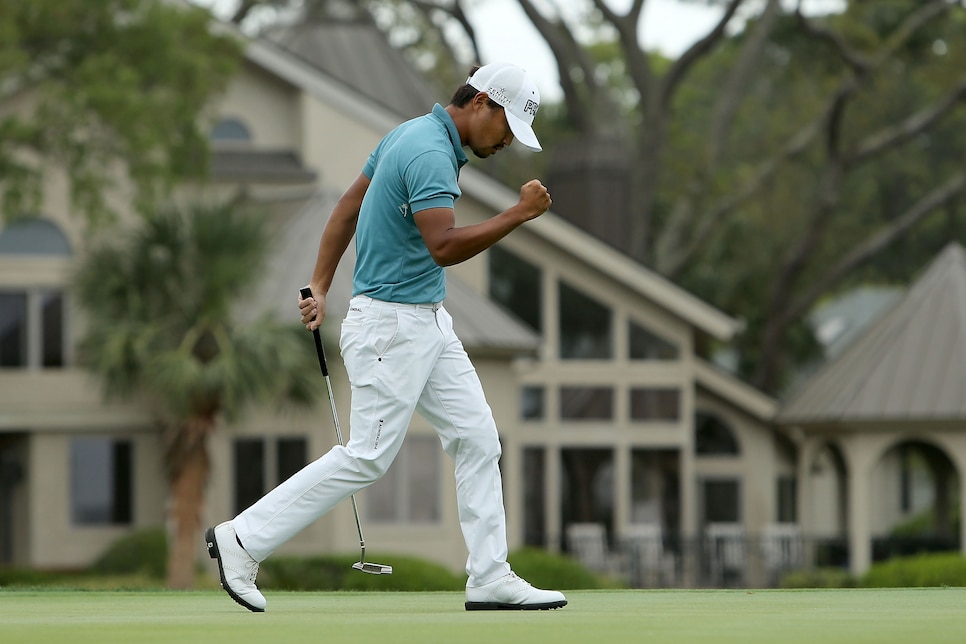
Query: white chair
{"type": "Point", "coordinates": [782, 549]}
{"type": "Point", "coordinates": [588, 543]}
{"type": "Point", "coordinates": [649, 564]}
{"type": "Point", "coordinates": [726, 552]}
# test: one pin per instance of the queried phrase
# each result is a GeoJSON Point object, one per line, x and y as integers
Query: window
{"type": "Point", "coordinates": [32, 328]}
{"type": "Point", "coordinates": [531, 402]}
{"type": "Point", "coordinates": [33, 236]}
{"type": "Point", "coordinates": [644, 345]}
{"type": "Point", "coordinates": [516, 285]}
{"type": "Point", "coordinates": [249, 472]}
{"type": "Point", "coordinates": [409, 492]}
{"type": "Point", "coordinates": [586, 403]}
{"type": "Point", "coordinates": [655, 404]}
{"type": "Point", "coordinates": [713, 436]}
{"type": "Point", "coordinates": [535, 496]}
{"type": "Point", "coordinates": [101, 478]}
{"type": "Point", "coordinates": [262, 464]}
{"type": "Point", "coordinates": [13, 329]}
{"type": "Point", "coordinates": [721, 501]}
{"type": "Point", "coordinates": [787, 511]}
{"type": "Point", "coordinates": [230, 130]}
{"type": "Point", "coordinates": [585, 327]}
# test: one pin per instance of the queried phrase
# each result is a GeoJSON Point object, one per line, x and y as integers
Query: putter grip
{"type": "Point", "coordinates": [306, 292]}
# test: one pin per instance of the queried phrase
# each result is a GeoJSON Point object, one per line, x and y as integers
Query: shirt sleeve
{"type": "Point", "coordinates": [431, 181]}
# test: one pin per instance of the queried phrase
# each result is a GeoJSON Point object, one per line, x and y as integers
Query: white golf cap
{"type": "Point", "coordinates": [511, 87]}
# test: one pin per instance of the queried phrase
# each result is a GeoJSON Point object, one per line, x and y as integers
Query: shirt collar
{"type": "Point", "coordinates": [440, 113]}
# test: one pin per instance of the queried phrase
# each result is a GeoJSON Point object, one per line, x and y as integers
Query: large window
{"type": "Point", "coordinates": [101, 481]}
{"type": "Point", "coordinates": [655, 403]}
{"type": "Point", "coordinates": [586, 403]}
{"type": "Point", "coordinates": [585, 327]}
{"type": "Point", "coordinates": [516, 285]}
{"type": "Point", "coordinates": [646, 345]}
{"type": "Point", "coordinates": [261, 464]}
{"type": "Point", "coordinates": [409, 492]}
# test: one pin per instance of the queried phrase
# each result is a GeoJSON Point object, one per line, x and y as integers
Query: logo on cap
{"type": "Point", "coordinates": [509, 86]}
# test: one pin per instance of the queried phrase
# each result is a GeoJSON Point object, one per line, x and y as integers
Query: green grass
{"type": "Point", "coordinates": [612, 616]}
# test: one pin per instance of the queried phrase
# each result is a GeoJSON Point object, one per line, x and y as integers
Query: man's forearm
{"type": "Point", "coordinates": [337, 234]}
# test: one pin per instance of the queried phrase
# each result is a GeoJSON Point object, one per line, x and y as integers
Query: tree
{"type": "Point", "coordinates": [109, 88]}
{"type": "Point", "coordinates": [163, 303]}
{"type": "Point", "coordinates": [850, 98]}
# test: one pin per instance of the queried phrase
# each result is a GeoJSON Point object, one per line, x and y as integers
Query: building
{"type": "Point", "coordinates": [610, 415]}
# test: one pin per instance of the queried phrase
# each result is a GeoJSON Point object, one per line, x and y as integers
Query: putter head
{"type": "Point", "coordinates": [372, 568]}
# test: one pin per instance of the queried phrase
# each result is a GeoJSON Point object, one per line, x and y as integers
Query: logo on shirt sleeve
{"type": "Point", "coordinates": [404, 209]}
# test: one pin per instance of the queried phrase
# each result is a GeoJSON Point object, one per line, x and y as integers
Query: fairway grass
{"type": "Point", "coordinates": [639, 617]}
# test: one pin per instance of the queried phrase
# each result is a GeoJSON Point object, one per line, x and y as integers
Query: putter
{"type": "Point", "coordinates": [361, 565]}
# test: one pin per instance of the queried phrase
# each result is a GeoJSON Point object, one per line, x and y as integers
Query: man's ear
{"type": "Point", "coordinates": [481, 99]}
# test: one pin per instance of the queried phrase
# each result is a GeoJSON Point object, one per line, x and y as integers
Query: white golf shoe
{"type": "Point", "coordinates": [236, 567]}
{"type": "Point", "coordinates": [512, 593]}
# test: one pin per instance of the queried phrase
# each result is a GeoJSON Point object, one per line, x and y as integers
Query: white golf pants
{"type": "Point", "coordinates": [400, 358]}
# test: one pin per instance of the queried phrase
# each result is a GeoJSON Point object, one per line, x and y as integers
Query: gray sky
{"type": "Point", "coordinates": [505, 33]}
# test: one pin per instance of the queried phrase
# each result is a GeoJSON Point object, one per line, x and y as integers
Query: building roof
{"type": "Point", "coordinates": [483, 327]}
{"type": "Point", "coordinates": [259, 165]}
{"type": "Point", "coordinates": [356, 54]}
{"type": "Point", "coordinates": [909, 365]}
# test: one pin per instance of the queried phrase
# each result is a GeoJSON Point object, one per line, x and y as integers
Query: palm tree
{"type": "Point", "coordinates": [162, 304]}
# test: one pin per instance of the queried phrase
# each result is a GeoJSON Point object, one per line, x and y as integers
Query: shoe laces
{"type": "Point", "coordinates": [252, 566]}
{"type": "Point", "coordinates": [514, 577]}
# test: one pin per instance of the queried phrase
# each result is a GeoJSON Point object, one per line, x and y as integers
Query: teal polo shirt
{"type": "Point", "coordinates": [415, 167]}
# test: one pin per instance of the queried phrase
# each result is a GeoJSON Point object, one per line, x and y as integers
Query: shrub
{"type": "Point", "coordinates": [334, 572]}
{"type": "Point", "coordinates": [925, 570]}
{"type": "Point", "coordinates": [27, 577]}
{"type": "Point", "coordinates": [819, 578]}
{"type": "Point", "coordinates": [548, 570]}
{"type": "Point", "coordinates": [140, 553]}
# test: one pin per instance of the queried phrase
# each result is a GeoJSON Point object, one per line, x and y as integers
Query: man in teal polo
{"type": "Point", "coordinates": [398, 344]}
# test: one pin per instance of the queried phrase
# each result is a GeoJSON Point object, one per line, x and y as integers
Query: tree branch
{"type": "Point", "coordinates": [875, 244]}
{"type": "Point", "coordinates": [638, 63]}
{"type": "Point", "coordinates": [456, 12]}
{"type": "Point", "coordinates": [860, 64]}
{"type": "Point", "coordinates": [899, 133]}
{"type": "Point", "coordinates": [735, 89]}
{"type": "Point", "coordinates": [590, 107]}
{"type": "Point", "coordinates": [694, 53]}
{"type": "Point", "coordinates": [836, 168]}
{"type": "Point", "coordinates": [674, 262]}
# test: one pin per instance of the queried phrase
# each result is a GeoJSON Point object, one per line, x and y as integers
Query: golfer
{"type": "Point", "coordinates": [397, 341]}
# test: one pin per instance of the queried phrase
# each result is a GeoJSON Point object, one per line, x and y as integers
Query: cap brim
{"type": "Point", "coordinates": [523, 133]}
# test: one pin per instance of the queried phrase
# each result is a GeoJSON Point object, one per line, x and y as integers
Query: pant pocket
{"type": "Point", "coordinates": [365, 339]}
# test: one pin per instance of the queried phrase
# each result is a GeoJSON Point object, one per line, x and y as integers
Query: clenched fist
{"type": "Point", "coordinates": [534, 198]}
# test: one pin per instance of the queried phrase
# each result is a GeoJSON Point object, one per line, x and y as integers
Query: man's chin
{"type": "Point", "coordinates": [483, 154]}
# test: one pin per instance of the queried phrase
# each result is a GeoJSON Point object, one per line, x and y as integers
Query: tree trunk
{"type": "Point", "coordinates": [186, 488]}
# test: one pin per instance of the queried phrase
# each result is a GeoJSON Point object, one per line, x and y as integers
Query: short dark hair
{"type": "Point", "coordinates": [466, 92]}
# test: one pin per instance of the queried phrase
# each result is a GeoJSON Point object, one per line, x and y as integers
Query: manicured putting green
{"type": "Point", "coordinates": [638, 617]}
